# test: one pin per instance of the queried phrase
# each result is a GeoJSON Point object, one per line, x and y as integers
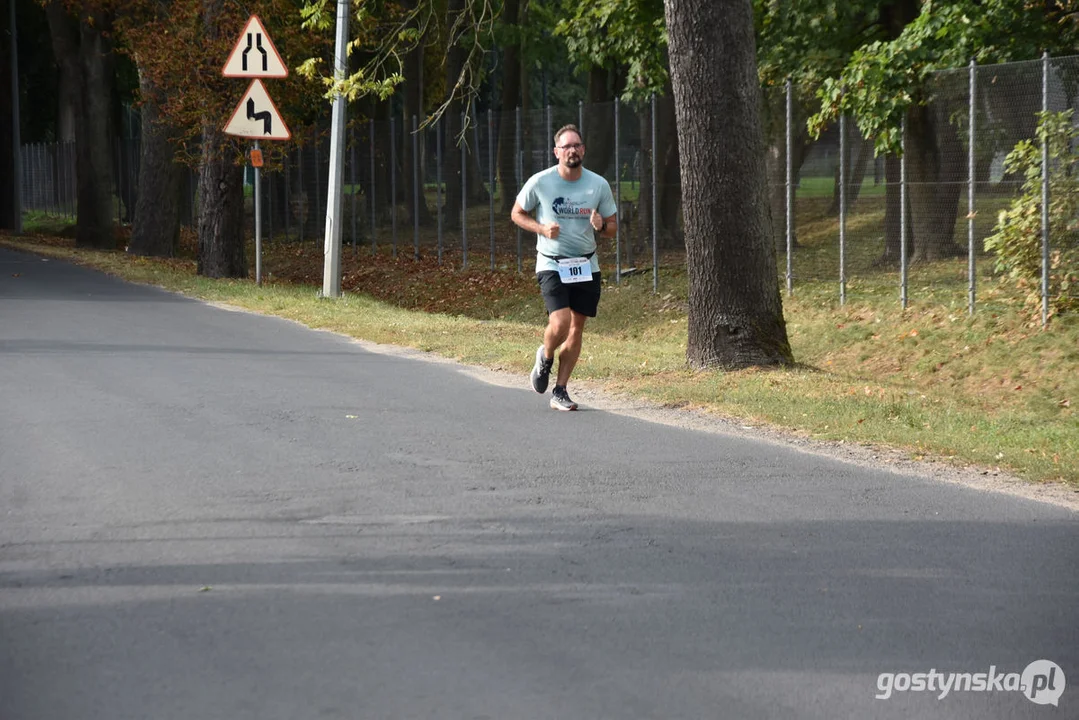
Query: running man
{"type": "Point", "coordinates": [572, 205]}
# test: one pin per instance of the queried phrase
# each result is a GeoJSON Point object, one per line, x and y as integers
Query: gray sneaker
{"type": "Point", "coordinates": [541, 371]}
{"type": "Point", "coordinates": [560, 399]}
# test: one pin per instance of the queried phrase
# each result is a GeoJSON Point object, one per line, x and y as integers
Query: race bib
{"type": "Point", "coordinates": [575, 270]}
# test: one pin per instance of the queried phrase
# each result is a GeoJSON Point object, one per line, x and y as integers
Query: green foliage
{"type": "Point", "coordinates": [1017, 237]}
{"type": "Point", "coordinates": [883, 79]}
{"type": "Point", "coordinates": [810, 40]}
{"type": "Point", "coordinates": [384, 32]}
{"type": "Point", "coordinates": [607, 33]}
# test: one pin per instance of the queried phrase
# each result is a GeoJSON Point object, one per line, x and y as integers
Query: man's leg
{"type": "Point", "coordinates": [559, 325]}
{"type": "Point", "coordinates": [571, 346]}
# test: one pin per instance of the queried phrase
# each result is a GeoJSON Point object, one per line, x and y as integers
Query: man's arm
{"type": "Point", "coordinates": [526, 222]}
{"type": "Point", "coordinates": [604, 226]}
{"type": "Point", "coordinates": [609, 226]}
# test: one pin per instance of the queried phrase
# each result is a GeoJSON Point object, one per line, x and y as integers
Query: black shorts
{"type": "Point", "coordinates": [580, 297]}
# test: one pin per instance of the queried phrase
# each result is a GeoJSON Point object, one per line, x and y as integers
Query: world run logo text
{"type": "Point", "coordinates": [1042, 682]}
{"type": "Point", "coordinates": [568, 208]}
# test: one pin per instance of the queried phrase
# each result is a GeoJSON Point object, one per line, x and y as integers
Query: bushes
{"type": "Point", "coordinates": [1017, 237]}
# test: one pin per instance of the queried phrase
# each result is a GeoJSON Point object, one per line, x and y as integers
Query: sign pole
{"type": "Point", "coordinates": [255, 56]}
{"type": "Point", "coordinates": [256, 161]}
{"type": "Point", "coordinates": [331, 273]}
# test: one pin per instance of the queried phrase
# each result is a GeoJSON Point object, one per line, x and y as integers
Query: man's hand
{"type": "Point", "coordinates": [550, 230]}
{"type": "Point", "coordinates": [597, 220]}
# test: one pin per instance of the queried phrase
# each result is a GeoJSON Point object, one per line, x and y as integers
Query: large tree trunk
{"type": "Point", "coordinates": [735, 310]}
{"type": "Point", "coordinates": [221, 189]}
{"type": "Point", "coordinates": [892, 208]}
{"type": "Point", "coordinates": [934, 174]}
{"type": "Point", "coordinates": [221, 208]}
{"type": "Point", "coordinates": [507, 129]}
{"type": "Point", "coordinates": [599, 121]}
{"type": "Point", "coordinates": [156, 229]}
{"type": "Point", "coordinates": [81, 47]}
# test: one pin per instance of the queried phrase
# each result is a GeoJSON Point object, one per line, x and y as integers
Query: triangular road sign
{"type": "Point", "coordinates": [255, 54]}
{"type": "Point", "coordinates": [256, 116]}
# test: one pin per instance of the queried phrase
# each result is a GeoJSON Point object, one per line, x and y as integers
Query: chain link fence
{"type": "Point", "coordinates": [841, 215]}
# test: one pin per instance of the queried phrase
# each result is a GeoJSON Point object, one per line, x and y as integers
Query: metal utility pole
{"type": "Point", "coordinates": [331, 275]}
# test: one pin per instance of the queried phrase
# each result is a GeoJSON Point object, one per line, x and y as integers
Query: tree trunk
{"type": "Point", "coordinates": [669, 187]}
{"type": "Point", "coordinates": [599, 121]}
{"type": "Point", "coordinates": [735, 310]}
{"type": "Point", "coordinates": [156, 229]}
{"type": "Point", "coordinates": [507, 130]}
{"type": "Point", "coordinates": [892, 208]}
{"type": "Point", "coordinates": [934, 174]}
{"type": "Point", "coordinates": [221, 208]}
{"type": "Point", "coordinates": [81, 48]}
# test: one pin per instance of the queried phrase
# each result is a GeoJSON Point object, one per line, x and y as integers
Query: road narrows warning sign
{"type": "Point", "coordinates": [255, 54]}
{"type": "Point", "coordinates": [257, 117]}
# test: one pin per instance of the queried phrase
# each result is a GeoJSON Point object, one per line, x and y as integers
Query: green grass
{"type": "Point", "coordinates": [992, 390]}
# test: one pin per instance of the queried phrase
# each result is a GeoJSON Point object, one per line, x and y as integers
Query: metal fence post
{"type": "Point", "coordinates": [318, 180]}
{"type": "Point", "coordinates": [550, 122]}
{"type": "Point", "coordinates": [842, 209]}
{"type": "Point", "coordinates": [617, 200]}
{"type": "Point", "coordinates": [1045, 191]}
{"type": "Point", "coordinates": [352, 182]}
{"type": "Point", "coordinates": [519, 167]}
{"type": "Point", "coordinates": [970, 193]}
{"type": "Point", "coordinates": [415, 190]}
{"type": "Point", "coordinates": [288, 198]}
{"type": "Point", "coordinates": [655, 213]}
{"type": "Point", "coordinates": [393, 185]}
{"type": "Point", "coordinates": [491, 178]}
{"type": "Point", "coordinates": [580, 117]}
{"type": "Point", "coordinates": [271, 186]}
{"type": "Point", "coordinates": [438, 183]}
{"type": "Point", "coordinates": [371, 137]}
{"type": "Point", "coordinates": [464, 192]}
{"type": "Point", "coordinates": [903, 214]}
{"type": "Point", "coordinates": [790, 187]}
{"type": "Point", "coordinates": [16, 139]}
{"type": "Point", "coordinates": [303, 197]}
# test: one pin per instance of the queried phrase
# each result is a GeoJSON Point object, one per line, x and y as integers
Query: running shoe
{"type": "Point", "coordinates": [560, 399]}
{"type": "Point", "coordinates": [541, 371]}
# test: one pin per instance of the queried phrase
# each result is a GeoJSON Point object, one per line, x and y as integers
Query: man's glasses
{"type": "Point", "coordinates": [572, 146]}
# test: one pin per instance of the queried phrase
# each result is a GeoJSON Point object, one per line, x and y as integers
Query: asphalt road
{"type": "Point", "coordinates": [212, 514]}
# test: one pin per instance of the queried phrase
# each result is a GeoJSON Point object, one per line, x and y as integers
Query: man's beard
{"type": "Point", "coordinates": [573, 162]}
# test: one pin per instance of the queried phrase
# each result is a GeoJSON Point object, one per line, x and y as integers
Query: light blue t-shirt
{"type": "Point", "coordinates": [568, 203]}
